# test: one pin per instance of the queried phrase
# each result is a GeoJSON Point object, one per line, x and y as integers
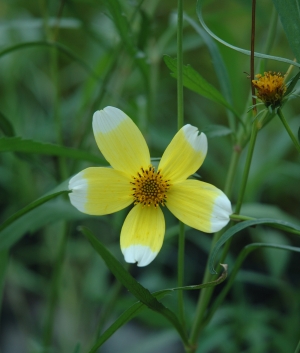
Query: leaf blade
{"type": "Point", "coordinates": [17, 144]}
{"type": "Point", "coordinates": [132, 285]}
{"type": "Point", "coordinates": [195, 82]}
{"type": "Point", "coordinates": [240, 226]}
{"type": "Point", "coordinates": [289, 14]}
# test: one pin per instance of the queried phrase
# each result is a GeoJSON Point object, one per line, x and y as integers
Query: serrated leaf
{"type": "Point", "coordinates": [195, 82]}
{"type": "Point", "coordinates": [240, 226]}
{"type": "Point", "coordinates": [289, 14]}
{"type": "Point", "coordinates": [135, 288]}
{"type": "Point", "coordinates": [17, 144]}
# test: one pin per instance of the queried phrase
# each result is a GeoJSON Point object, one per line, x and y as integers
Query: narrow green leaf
{"type": "Point", "coordinates": [48, 213]}
{"type": "Point", "coordinates": [237, 265]}
{"type": "Point", "coordinates": [137, 308]}
{"type": "Point", "coordinates": [195, 82]}
{"type": "Point", "coordinates": [56, 45]}
{"type": "Point", "coordinates": [6, 126]}
{"type": "Point", "coordinates": [126, 36]}
{"type": "Point", "coordinates": [291, 84]}
{"type": "Point", "coordinates": [240, 226]}
{"type": "Point", "coordinates": [216, 57]}
{"type": "Point", "coordinates": [17, 144]}
{"type": "Point", "coordinates": [289, 14]}
{"type": "Point", "coordinates": [240, 50]}
{"type": "Point", "coordinates": [30, 207]}
{"type": "Point", "coordinates": [135, 288]}
{"type": "Point", "coordinates": [299, 134]}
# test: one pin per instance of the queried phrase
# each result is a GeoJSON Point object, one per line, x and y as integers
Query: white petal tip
{"type": "Point", "coordinates": [198, 142]}
{"type": "Point", "coordinates": [141, 254]}
{"type": "Point", "coordinates": [107, 119]}
{"type": "Point", "coordinates": [221, 213]}
{"type": "Point", "coordinates": [78, 196]}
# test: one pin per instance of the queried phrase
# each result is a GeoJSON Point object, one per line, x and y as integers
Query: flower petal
{"type": "Point", "coordinates": [184, 155]}
{"type": "Point", "coordinates": [120, 141]}
{"type": "Point", "coordinates": [199, 205]}
{"type": "Point", "coordinates": [100, 191]}
{"type": "Point", "coordinates": [142, 234]}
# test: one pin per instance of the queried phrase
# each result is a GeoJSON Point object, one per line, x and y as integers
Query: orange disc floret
{"type": "Point", "coordinates": [270, 87]}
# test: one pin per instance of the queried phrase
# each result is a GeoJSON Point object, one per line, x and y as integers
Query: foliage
{"type": "Point", "coordinates": [62, 61]}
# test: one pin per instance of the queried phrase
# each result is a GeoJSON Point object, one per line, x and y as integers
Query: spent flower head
{"type": "Point", "coordinates": [270, 88]}
{"type": "Point", "coordinates": [133, 180]}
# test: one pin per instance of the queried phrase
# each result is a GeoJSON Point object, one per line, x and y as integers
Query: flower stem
{"type": "Point", "coordinates": [288, 129]}
{"type": "Point", "coordinates": [180, 122]}
{"type": "Point", "coordinates": [181, 245]}
{"type": "Point", "coordinates": [247, 167]}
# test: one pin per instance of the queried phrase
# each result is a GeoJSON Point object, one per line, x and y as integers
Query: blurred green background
{"type": "Point", "coordinates": [49, 93]}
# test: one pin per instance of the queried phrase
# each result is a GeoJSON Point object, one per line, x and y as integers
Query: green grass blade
{"type": "Point", "coordinates": [238, 263]}
{"type": "Point", "coordinates": [240, 50]}
{"type": "Point", "coordinates": [135, 288]}
{"type": "Point", "coordinates": [17, 144]}
{"type": "Point", "coordinates": [125, 34]}
{"type": "Point", "coordinates": [137, 308]}
{"type": "Point", "coordinates": [28, 208]}
{"type": "Point", "coordinates": [195, 82]}
{"type": "Point", "coordinates": [216, 57]}
{"type": "Point", "coordinates": [240, 226]}
{"type": "Point", "coordinates": [289, 14]}
{"type": "Point", "coordinates": [56, 45]}
{"type": "Point", "coordinates": [50, 212]}
{"type": "Point", "coordinates": [292, 83]}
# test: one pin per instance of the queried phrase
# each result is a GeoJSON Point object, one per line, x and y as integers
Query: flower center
{"type": "Point", "coordinates": [270, 87]}
{"type": "Point", "coordinates": [149, 187]}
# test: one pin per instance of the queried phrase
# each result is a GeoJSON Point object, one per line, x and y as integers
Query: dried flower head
{"type": "Point", "coordinates": [270, 88]}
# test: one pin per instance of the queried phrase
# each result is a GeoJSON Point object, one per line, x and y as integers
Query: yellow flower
{"type": "Point", "coordinates": [132, 179]}
{"type": "Point", "coordinates": [270, 88]}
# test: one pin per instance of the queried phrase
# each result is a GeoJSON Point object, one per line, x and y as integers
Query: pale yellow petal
{"type": "Point", "coordinates": [199, 205]}
{"type": "Point", "coordinates": [120, 141]}
{"type": "Point", "coordinates": [184, 155]}
{"type": "Point", "coordinates": [100, 191]}
{"type": "Point", "coordinates": [142, 234]}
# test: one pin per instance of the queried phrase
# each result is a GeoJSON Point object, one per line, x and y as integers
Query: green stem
{"type": "Point", "coordinates": [206, 293]}
{"type": "Point", "coordinates": [180, 122]}
{"type": "Point", "coordinates": [247, 167]}
{"type": "Point", "coordinates": [180, 119]}
{"type": "Point", "coordinates": [288, 129]}
{"type": "Point", "coordinates": [181, 245]}
{"type": "Point", "coordinates": [232, 170]}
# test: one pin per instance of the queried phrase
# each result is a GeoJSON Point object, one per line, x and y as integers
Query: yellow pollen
{"type": "Point", "coordinates": [149, 187]}
{"type": "Point", "coordinates": [270, 87]}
